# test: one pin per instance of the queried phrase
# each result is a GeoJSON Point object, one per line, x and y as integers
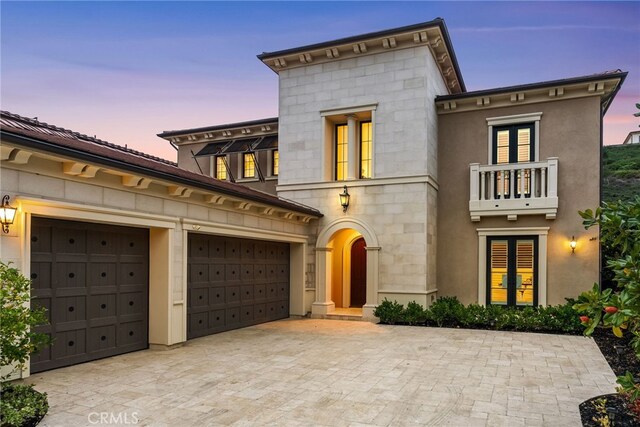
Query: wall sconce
{"type": "Point", "coordinates": [344, 199]}
{"type": "Point", "coordinates": [573, 244]}
{"type": "Point", "coordinates": [7, 214]}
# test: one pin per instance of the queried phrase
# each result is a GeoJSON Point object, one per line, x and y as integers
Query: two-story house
{"type": "Point", "coordinates": [382, 177]}
{"type": "Point", "coordinates": [472, 194]}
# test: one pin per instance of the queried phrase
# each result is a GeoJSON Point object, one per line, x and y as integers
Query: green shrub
{"type": "Point", "coordinates": [389, 312]}
{"type": "Point", "coordinates": [445, 312]}
{"type": "Point", "coordinates": [414, 314]}
{"type": "Point", "coordinates": [21, 405]}
{"type": "Point", "coordinates": [17, 337]}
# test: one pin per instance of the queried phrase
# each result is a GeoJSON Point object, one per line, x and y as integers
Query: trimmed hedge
{"type": "Point", "coordinates": [448, 312]}
{"type": "Point", "coordinates": [21, 405]}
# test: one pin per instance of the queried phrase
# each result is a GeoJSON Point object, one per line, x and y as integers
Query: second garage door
{"type": "Point", "coordinates": [233, 283]}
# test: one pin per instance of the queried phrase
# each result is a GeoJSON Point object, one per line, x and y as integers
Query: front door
{"type": "Point", "coordinates": [358, 273]}
{"type": "Point", "coordinates": [512, 270]}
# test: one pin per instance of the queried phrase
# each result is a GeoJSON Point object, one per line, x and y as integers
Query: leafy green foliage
{"type": "Point", "coordinates": [620, 310]}
{"type": "Point", "coordinates": [17, 320]}
{"type": "Point", "coordinates": [414, 314]}
{"type": "Point", "coordinates": [389, 312]}
{"type": "Point", "coordinates": [21, 405]}
{"type": "Point", "coordinates": [448, 312]}
{"type": "Point", "coordinates": [620, 172]}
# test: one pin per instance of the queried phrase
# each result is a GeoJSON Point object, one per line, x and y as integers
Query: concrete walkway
{"type": "Point", "coordinates": [335, 373]}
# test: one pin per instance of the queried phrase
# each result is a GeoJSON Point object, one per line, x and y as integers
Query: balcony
{"type": "Point", "coordinates": [514, 189]}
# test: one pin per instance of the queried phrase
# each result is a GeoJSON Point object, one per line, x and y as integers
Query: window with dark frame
{"type": "Point", "coordinates": [342, 143]}
{"type": "Point", "coordinates": [366, 148]}
{"type": "Point", "coordinates": [249, 166]}
{"type": "Point", "coordinates": [512, 271]}
{"type": "Point", "coordinates": [513, 144]}
{"type": "Point", "coordinates": [275, 162]}
{"type": "Point", "coordinates": [220, 168]}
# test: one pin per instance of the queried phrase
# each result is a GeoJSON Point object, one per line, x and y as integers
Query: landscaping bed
{"type": "Point", "coordinates": [612, 407]}
{"type": "Point", "coordinates": [21, 406]}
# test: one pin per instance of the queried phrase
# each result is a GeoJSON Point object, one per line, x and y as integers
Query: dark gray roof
{"type": "Point", "coordinates": [169, 133]}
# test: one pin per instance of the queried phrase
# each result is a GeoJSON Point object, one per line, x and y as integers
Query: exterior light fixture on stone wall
{"type": "Point", "coordinates": [344, 199]}
{"type": "Point", "coordinates": [573, 244]}
{"type": "Point", "coordinates": [7, 214]}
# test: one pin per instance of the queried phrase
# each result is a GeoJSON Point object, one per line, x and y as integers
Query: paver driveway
{"type": "Point", "coordinates": [329, 372]}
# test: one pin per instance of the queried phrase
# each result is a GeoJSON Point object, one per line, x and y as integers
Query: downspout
{"type": "Point", "coordinates": [602, 112]}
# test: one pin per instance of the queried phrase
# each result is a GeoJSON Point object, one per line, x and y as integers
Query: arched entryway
{"type": "Point", "coordinates": [346, 268]}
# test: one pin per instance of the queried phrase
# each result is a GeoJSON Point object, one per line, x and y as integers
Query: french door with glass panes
{"type": "Point", "coordinates": [512, 271]}
{"type": "Point", "coordinates": [513, 144]}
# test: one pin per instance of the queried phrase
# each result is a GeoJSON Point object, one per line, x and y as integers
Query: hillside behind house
{"type": "Point", "coordinates": [620, 172]}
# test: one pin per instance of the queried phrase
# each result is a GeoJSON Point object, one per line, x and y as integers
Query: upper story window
{"type": "Point", "coordinates": [275, 162]}
{"type": "Point", "coordinates": [513, 144]}
{"type": "Point", "coordinates": [366, 149]}
{"type": "Point", "coordinates": [349, 143]}
{"type": "Point", "coordinates": [248, 166]}
{"type": "Point", "coordinates": [342, 154]}
{"type": "Point", "coordinates": [220, 168]}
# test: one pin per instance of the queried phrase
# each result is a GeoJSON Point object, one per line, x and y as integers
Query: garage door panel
{"type": "Point", "coordinates": [40, 275]}
{"type": "Point", "coordinates": [41, 239]}
{"type": "Point", "coordinates": [198, 248]}
{"type": "Point", "coordinates": [260, 292]}
{"type": "Point", "coordinates": [260, 312]}
{"type": "Point", "coordinates": [199, 322]}
{"type": "Point", "coordinates": [283, 271]}
{"type": "Point", "coordinates": [239, 281]}
{"type": "Point", "coordinates": [69, 275]}
{"type": "Point", "coordinates": [217, 272]}
{"type": "Point", "coordinates": [232, 295]}
{"type": "Point", "coordinates": [198, 273]}
{"type": "Point", "coordinates": [198, 297]}
{"type": "Point", "coordinates": [232, 249]}
{"type": "Point", "coordinates": [217, 319]}
{"type": "Point", "coordinates": [232, 317]}
{"type": "Point", "coordinates": [246, 293]}
{"type": "Point", "coordinates": [83, 276]}
{"type": "Point", "coordinates": [69, 241]}
{"type": "Point", "coordinates": [232, 272]}
{"type": "Point", "coordinates": [69, 309]}
{"type": "Point", "coordinates": [246, 272]}
{"type": "Point", "coordinates": [69, 343]}
{"type": "Point", "coordinates": [102, 338]}
{"type": "Point", "coordinates": [102, 274]}
{"type": "Point", "coordinates": [131, 333]}
{"type": "Point", "coordinates": [247, 250]}
{"type": "Point", "coordinates": [217, 295]}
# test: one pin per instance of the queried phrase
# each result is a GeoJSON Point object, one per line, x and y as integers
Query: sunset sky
{"type": "Point", "coordinates": [125, 71]}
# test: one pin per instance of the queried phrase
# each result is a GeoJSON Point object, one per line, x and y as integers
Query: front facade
{"type": "Point", "coordinates": [382, 177]}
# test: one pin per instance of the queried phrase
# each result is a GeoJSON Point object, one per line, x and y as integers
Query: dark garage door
{"type": "Point", "coordinates": [93, 279]}
{"type": "Point", "coordinates": [234, 283]}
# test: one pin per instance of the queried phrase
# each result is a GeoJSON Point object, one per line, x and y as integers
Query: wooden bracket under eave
{"type": "Point", "coordinates": [80, 169]}
{"type": "Point", "coordinates": [15, 155]}
{"type": "Point", "coordinates": [214, 199]}
{"type": "Point", "coordinates": [287, 215]}
{"type": "Point", "coordinates": [136, 182]}
{"type": "Point", "coordinates": [179, 191]}
{"type": "Point", "coordinates": [243, 206]}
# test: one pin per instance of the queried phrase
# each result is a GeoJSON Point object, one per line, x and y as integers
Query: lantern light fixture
{"type": "Point", "coordinates": [344, 199]}
{"type": "Point", "coordinates": [7, 214]}
{"type": "Point", "coordinates": [573, 244]}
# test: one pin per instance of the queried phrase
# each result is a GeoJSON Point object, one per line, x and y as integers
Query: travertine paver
{"type": "Point", "coordinates": [329, 372]}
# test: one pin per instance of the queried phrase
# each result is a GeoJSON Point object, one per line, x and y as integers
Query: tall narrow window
{"type": "Point", "coordinates": [366, 142]}
{"type": "Point", "coordinates": [249, 166]}
{"type": "Point", "coordinates": [221, 168]}
{"type": "Point", "coordinates": [512, 271]}
{"type": "Point", "coordinates": [275, 162]}
{"type": "Point", "coordinates": [342, 142]}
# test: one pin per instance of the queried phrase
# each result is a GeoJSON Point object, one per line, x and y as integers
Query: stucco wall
{"type": "Point", "coordinates": [569, 130]}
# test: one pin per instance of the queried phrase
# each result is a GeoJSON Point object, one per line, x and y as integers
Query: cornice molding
{"type": "Point", "coordinates": [509, 98]}
{"type": "Point", "coordinates": [233, 132]}
{"type": "Point", "coordinates": [430, 36]}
